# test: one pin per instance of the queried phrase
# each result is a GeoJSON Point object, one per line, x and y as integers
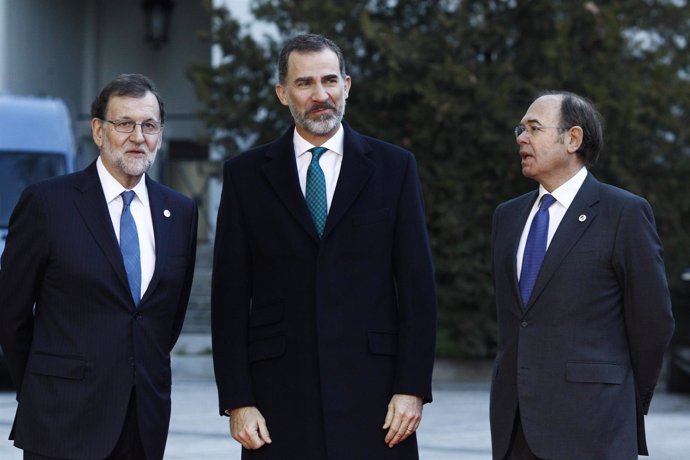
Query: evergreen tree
{"type": "Point", "coordinates": [449, 79]}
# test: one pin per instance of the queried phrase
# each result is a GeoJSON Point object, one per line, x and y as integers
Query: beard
{"type": "Point", "coordinates": [135, 166]}
{"type": "Point", "coordinates": [128, 165]}
{"type": "Point", "coordinates": [323, 124]}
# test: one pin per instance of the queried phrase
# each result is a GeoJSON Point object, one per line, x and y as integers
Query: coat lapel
{"type": "Point", "coordinates": [355, 171]}
{"type": "Point", "coordinates": [161, 229]}
{"type": "Point", "coordinates": [569, 232]}
{"type": "Point", "coordinates": [91, 205]}
{"type": "Point", "coordinates": [280, 169]}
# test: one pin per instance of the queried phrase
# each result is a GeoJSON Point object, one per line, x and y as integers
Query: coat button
{"type": "Point", "coordinates": [524, 324]}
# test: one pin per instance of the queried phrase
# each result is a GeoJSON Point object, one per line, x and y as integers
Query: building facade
{"type": "Point", "coordinates": [70, 48]}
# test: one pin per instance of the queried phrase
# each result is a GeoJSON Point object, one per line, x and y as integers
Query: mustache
{"type": "Point", "coordinates": [322, 106]}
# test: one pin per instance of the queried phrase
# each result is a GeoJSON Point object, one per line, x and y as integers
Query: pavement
{"type": "Point", "coordinates": [454, 427]}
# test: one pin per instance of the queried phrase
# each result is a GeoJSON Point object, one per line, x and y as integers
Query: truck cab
{"type": "Point", "coordinates": [36, 142]}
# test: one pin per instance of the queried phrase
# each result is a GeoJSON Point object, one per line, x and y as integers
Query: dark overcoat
{"type": "Point", "coordinates": [319, 334]}
{"type": "Point", "coordinates": [582, 358]}
{"type": "Point", "coordinates": [76, 360]}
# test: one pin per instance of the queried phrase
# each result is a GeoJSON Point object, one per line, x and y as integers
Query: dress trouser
{"type": "Point", "coordinates": [128, 446]}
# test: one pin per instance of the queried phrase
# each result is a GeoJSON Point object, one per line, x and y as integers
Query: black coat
{"type": "Point", "coordinates": [319, 335]}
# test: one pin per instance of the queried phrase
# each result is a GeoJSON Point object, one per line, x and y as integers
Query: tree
{"type": "Point", "coordinates": [240, 107]}
{"type": "Point", "coordinates": [448, 79]}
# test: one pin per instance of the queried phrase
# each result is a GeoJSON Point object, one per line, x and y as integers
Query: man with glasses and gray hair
{"type": "Point", "coordinates": [94, 285]}
{"type": "Point", "coordinates": [584, 312]}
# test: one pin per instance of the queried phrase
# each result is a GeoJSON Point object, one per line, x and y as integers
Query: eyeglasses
{"type": "Point", "coordinates": [533, 130]}
{"type": "Point", "coordinates": [128, 126]}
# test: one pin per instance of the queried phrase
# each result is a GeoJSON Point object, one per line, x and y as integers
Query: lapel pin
{"type": "Point", "coordinates": [582, 218]}
{"type": "Point", "coordinates": [166, 213]}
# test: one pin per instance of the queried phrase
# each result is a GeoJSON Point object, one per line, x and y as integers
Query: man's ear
{"type": "Point", "coordinates": [575, 137]}
{"type": "Point", "coordinates": [97, 131]}
{"type": "Point", "coordinates": [282, 94]}
{"type": "Point", "coordinates": [348, 85]}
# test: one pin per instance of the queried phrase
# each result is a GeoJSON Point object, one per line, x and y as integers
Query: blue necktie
{"type": "Point", "coordinates": [129, 246]}
{"type": "Point", "coordinates": [316, 190]}
{"type": "Point", "coordinates": [535, 248]}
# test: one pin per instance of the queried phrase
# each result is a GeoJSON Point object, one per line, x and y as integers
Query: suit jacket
{"type": "Point", "coordinates": [582, 358]}
{"type": "Point", "coordinates": [319, 334]}
{"type": "Point", "coordinates": [76, 360]}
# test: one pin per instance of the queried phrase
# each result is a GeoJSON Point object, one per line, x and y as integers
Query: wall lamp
{"type": "Point", "coordinates": [157, 21]}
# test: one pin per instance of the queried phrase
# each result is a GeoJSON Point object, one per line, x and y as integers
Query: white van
{"type": "Point", "coordinates": [36, 142]}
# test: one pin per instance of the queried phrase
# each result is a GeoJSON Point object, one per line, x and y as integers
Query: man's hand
{"type": "Point", "coordinates": [403, 418]}
{"type": "Point", "coordinates": [248, 427]}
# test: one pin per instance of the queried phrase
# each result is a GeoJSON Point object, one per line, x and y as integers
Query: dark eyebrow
{"type": "Point", "coordinates": [533, 120]}
{"type": "Point", "coordinates": [128, 118]}
{"type": "Point", "coordinates": [303, 80]}
{"type": "Point", "coordinates": [311, 79]}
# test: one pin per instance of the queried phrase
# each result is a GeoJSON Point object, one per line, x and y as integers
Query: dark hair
{"type": "Point", "coordinates": [126, 84]}
{"type": "Point", "coordinates": [307, 43]}
{"type": "Point", "coordinates": [579, 111]}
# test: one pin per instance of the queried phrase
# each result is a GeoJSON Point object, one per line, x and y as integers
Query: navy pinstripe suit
{"type": "Point", "coordinates": [76, 360]}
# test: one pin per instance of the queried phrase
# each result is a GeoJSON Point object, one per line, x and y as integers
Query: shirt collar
{"type": "Point", "coordinates": [565, 194]}
{"type": "Point", "coordinates": [334, 144]}
{"type": "Point", "coordinates": [112, 188]}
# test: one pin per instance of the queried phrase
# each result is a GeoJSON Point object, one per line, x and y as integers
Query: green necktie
{"type": "Point", "coordinates": [316, 190]}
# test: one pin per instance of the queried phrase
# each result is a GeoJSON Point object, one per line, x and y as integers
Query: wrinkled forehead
{"type": "Point", "coordinates": [145, 107]}
{"type": "Point", "coordinates": [312, 64]}
{"type": "Point", "coordinates": [545, 110]}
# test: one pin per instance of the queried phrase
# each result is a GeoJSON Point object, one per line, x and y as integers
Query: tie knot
{"type": "Point", "coordinates": [127, 197]}
{"type": "Point", "coordinates": [546, 201]}
{"type": "Point", "coordinates": [316, 152]}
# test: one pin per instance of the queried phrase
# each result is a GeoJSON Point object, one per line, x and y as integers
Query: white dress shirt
{"type": "Point", "coordinates": [564, 195]}
{"type": "Point", "coordinates": [141, 212]}
{"type": "Point", "coordinates": [330, 161]}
